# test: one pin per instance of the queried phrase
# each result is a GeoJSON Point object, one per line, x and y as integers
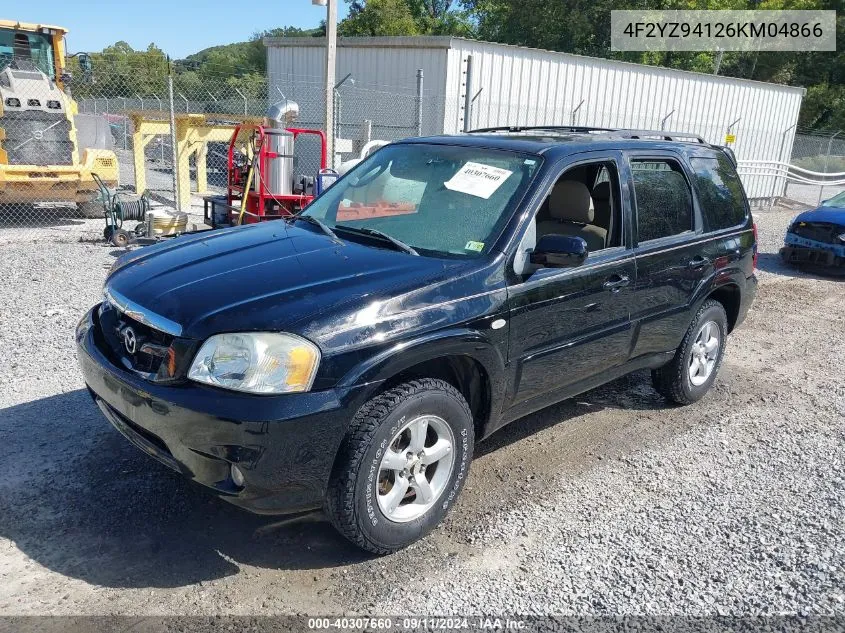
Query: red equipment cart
{"type": "Point", "coordinates": [269, 190]}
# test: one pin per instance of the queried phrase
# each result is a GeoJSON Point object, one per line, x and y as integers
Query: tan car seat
{"type": "Point", "coordinates": [570, 207]}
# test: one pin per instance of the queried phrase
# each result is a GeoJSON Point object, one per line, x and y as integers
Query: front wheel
{"type": "Point", "coordinates": [401, 466]}
{"type": "Point", "coordinates": [692, 370]}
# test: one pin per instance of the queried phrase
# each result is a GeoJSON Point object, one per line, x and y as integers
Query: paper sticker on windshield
{"type": "Point", "coordinates": [474, 246]}
{"type": "Point", "coordinates": [478, 180]}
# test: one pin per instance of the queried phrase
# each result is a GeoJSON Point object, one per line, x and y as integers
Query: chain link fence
{"type": "Point", "coordinates": [141, 130]}
{"type": "Point", "coordinates": [822, 152]}
{"type": "Point", "coordinates": [156, 128]}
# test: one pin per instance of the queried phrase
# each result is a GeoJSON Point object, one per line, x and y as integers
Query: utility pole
{"type": "Point", "coordinates": [331, 56]}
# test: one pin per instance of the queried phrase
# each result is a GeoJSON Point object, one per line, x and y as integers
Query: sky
{"type": "Point", "coordinates": [178, 27]}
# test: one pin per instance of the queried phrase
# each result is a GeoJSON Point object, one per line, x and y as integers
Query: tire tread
{"type": "Point", "coordinates": [668, 380]}
{"type": "Point", "coordinates": [340, 504]}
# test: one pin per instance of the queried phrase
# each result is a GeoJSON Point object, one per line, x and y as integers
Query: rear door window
{"type": "Point", "coordinates": [663, 197]}
{"type": "Point", "coordinates": [720, 192]}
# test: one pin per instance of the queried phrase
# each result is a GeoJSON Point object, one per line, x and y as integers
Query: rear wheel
{"type": "Point", "coordinates": [401, 466]}
{"type": "Point", "coordinates": [692, 370]}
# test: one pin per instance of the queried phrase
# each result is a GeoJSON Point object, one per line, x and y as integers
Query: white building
{"type": "Point", "coordinates": [469, 84]}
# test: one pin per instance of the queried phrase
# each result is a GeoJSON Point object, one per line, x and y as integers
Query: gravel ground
{"type": "Point", "coordinates": [611, 503]}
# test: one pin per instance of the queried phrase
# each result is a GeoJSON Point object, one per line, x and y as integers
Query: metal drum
{"type": "Point", "coordinates": [279, 176]}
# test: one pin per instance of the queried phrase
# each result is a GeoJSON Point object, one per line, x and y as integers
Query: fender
{"type": "Point", "coordinates": [368, 376]}
{"type": "Point", "coordinates": [719, 279]}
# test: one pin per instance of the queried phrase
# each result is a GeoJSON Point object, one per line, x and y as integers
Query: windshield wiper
{"type": "Point", "coordinates": [376, 233]}
{"type": "Point", "coordinates": [318, 223]}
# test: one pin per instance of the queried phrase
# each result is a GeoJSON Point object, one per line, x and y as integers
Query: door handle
{"type": "Point", "coordinates": [615, 282]}
{"type": "Point", "coordinates": [697, 262]}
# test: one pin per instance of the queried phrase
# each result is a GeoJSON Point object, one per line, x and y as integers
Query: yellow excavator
{"type": "Point", "coordinates": [48, 150]}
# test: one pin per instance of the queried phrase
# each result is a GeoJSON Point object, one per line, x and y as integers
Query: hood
{"type": "Point", "coordinates": [269, 276]}
{"type": "Point", "coordinates": [830, 215]}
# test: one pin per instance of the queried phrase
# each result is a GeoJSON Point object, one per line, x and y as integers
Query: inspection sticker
{"type": "Point", "coordinates": [474, 246]}
{"type": "Point", "coordinates": [478, 180]}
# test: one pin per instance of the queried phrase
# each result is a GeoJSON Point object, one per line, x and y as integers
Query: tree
{"type": "Point", "coordinates": [405, 17]}
{"type": "Point", "coordinates": [583, 27]}
{"type": "Point", "coordinates": [121, 71]}
{"type": "Point", "coordinates": [378, 17]}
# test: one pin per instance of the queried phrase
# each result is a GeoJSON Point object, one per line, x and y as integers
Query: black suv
{"type": "Point", "coordinates": [348, 359]}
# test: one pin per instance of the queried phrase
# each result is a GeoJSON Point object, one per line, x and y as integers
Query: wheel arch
{"type": "Point", "coordinates": [466, 359]}
{"type": "Point", "coordinates": [730, 296]}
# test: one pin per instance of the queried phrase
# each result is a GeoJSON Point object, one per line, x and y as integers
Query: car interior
{"type": "Point", "coordinates": [584, 202]}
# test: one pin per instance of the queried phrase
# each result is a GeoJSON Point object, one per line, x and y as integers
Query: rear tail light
{"type": "Point", "coordinates": [754, 258]}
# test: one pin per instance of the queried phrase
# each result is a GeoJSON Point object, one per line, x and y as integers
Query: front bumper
{"type": "Point", "coordinates": [798, 250]}
{"type": "Point", "coordinates": [808, 256]}
{"type": "Point", "coordinates": [284, 445]}
{"type": "Point", "coordinates": [38, 183]}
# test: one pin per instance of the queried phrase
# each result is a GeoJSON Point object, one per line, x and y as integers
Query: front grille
{"type": "Point", "coordinates": [35, 137]}
{"type": "Point", "coordinates": [150, 345]}
{"type": "Point", "coordinates": [819, 231]}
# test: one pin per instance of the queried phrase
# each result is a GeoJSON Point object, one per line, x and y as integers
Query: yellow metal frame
{"type": "Point", "coordinates": [52, 183]}
{"type": "Point", "coordinates": [193, 134]}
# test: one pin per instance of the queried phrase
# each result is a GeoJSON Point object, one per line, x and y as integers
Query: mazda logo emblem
{"type": "Point", "coordinates": [130, 341]}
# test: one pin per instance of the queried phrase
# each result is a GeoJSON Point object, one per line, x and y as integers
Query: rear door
{"type": "Point", "coordinates": [669, 251]}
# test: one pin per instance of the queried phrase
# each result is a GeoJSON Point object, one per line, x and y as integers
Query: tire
{"type": "Point", "coordinates": [120, 238]}
{"type": "Point", "coordinates": [91, 210]}
{"type": "Point", "coordinates": [358, 495]}
{"type": "Point", "coordinates": [680, 380]}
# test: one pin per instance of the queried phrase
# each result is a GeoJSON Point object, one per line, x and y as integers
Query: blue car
{"type": "Point", "coordinates": [816, 238]}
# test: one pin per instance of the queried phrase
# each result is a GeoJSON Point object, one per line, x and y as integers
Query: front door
{"type": "Point", "coordinates": [568, 325]}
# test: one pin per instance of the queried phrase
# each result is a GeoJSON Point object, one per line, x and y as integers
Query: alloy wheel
{"type": "Point", "coordinates": [415, 468]}
{"type": "Point", "coordinates": [704, 354]}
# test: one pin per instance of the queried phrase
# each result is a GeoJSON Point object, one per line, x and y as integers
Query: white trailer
{"type": "Point", "coordinates": [468, 84]}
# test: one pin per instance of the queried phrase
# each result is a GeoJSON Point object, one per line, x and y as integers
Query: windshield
{"type": "Point", "coordinates": [836, 201]}
{"type": "Point", "coordinates": [32, 49]}
{"type": "Point", "coordinates": [440, 200]}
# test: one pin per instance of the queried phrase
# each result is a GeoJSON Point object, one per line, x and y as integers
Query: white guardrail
{"type": "Point", "coordinates": [768, 179]}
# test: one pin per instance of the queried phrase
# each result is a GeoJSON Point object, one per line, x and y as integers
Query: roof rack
{"type": "Point", "coordinates": [661, 135]}
{"type": "Point", "coordinates": [533, 128]}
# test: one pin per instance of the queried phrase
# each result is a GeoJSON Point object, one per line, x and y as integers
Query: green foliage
{"type": "Point", "coordinates": [583, 27]}
{"type": "Point", "coordinates": [121, 71]}
{"type": "Point", "coordinates": [572, 26]}
{"type": "Point", "coordinates": [378, 17]}
{"type": "Point", "coordinates": [405, 17]}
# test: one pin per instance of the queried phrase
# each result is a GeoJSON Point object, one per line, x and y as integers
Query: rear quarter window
{"type": "Point", "coordinates": [720, 193]}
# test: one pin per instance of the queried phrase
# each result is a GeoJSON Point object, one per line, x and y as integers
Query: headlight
{"type": "Point", "coordinates": [257, 362]}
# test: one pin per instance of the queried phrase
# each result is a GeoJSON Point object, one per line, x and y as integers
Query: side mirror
{"type": "Point", "coordinates": [559, 251]}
